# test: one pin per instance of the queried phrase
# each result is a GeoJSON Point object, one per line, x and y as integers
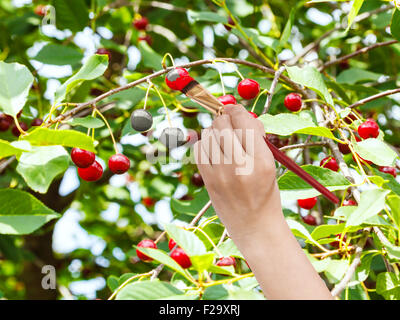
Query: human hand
{"type": "Point", "coordinates": [238, 170]}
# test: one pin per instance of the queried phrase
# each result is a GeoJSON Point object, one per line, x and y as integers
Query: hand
{"type": "Point", "coordinates": [238, 170]}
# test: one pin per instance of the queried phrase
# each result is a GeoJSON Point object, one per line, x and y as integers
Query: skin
{"type": "Point", "coordinates": [250, 208]}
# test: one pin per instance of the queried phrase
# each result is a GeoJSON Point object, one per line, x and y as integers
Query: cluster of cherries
{"type": "Point", "coordinates": [178, 254]}
{"type": "Point", "coordinates": [89, 169]}
{"type": "Point", "coordinates": [7, 122]}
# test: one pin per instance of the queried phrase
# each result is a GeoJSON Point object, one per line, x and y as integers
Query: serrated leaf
{"type": "Point", "coordinates": [187, 240]}
{"type": "Point", "coordinates": [92, 69]}
{"type": "Point", "coordinates": [388, 285]}
{"type": "Point", "coordinates": [60, 55]}
{"type": "Point", "coordinates": [148, 290]}
{"type": "Point", "coordinates": [371, 203]}
{"type": "Point", "coordinates": [87, 122]}
{"type": "Point", "coordinates": [66, 138]}
{"type": "Point", "coordinates": [310, 77]}
{"type": "Point", "coordinates": [376, 151]}
{"type": "Point", "coordinates": [15, 83]}
{"type": "Point", "coordinates": [40, 166]}
{"type": "Point", "coordinates": [22, 213]}
{"type": "Point", "coordinates": [285, 124]}
{"type": "Point", "coordinates": [292, 187]}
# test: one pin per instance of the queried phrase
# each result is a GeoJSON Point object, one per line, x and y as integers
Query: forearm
{"type": "Point", "coordinates": [278, 262]}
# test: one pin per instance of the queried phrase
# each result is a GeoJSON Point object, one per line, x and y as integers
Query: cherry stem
{"type": "Point", "coordinates": [18, 126]}
{"type": "Point", "coordinates": [167, 55]}
{"type": "Point", "coordinates": [220, 76]}
{"type": "Point", "coordinates": [109, 129]}
{"type": "Point", "coordinates": [258, 97]}
{"type": "Point", "coordinates": [147, 94]}
{"type": "Point", "coordinates": [163, 102]}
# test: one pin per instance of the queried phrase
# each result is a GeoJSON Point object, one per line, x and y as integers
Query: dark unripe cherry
{"type": "Point", "coordinates": [91, 173]}
{"type": "Point", "coordinates": [104, 51]}
{"type": "Point", "coordinates": [293, 102]}
{"type": "Point", "coordinates": [226, 262]}
{"type": "Point", "coordinates": [389, 170]}
{"type": "Point", "coordinates": [310, 220]}
{"type": "Point", "coordinates": [336, 244]}
{"type": "Point", "coordinates": [172, 137]}
{"type": "Point", "coordinates": [178, 78]}
{"type": "Point", "coordinates": [230, 23]}
{"type": "Point", "coordinates": [368, 129]}
{"type": "Point", "coordinates": [227, 99]}
{"type": "Point", "coordinates": [146, 38]}
{"type": "Point", "coordinates": [37, 122]}
{"type": "Point", "coordinates": [15, 131]}
{"type": "Point", "coordinates": [141, 24]}
{"type": "Point", "coordinates": [141, 120]}
{"type": "Point", "coordinates": [180, 256]}
{"type": "Point", "coordinates": [119, 163]}
{"type": "Point", "coordinates": [308, 203]}
{"type": "Point", "coordinates": [82, 158]}
{"type": "Point", "coordinates": [145, 243]}
{"type": "Point", "coordinates": [349, 202]}
{"type": "Point", "coordinates": [248, 89]}
{"type": "Point", "coordinates": [344, 148]}
{"type": "Point", "coordinates": [329, 163]}
{"type": "Point", "coordinates": [5, 122]}
{"type": "Point", "coordinates": [197, 180]}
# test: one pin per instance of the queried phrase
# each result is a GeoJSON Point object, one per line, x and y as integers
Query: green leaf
{"type": "Point", "coordinates": [371, 203]}
{"type": "Point", "coordinates": [228, 248]}
{"type": "Point", "coordinates": [22, 213]}
{"type": "Point", "coordinates": [15, 83]}
{"type": "Point", "coordinates": [288, 28]}
{"type": "Point", "coordinates": [394, 204]}
{"type": "Point", "coordinates": [148, 290]}
{"type": "Point", "coordinates": [390, 182]}
{"type": "Point", "coordinates": [327, 230]}
{"type": "Point", "coordinates": [10, 149]}
{"type": "Point", "coordinates": [395, 24]}
{"type": "Point", "coordinates": [285, 124]}
{"type": "Point", "coordinates": [357, 4]}
{"type": "Point", "coordinates": [92, 69]}
{"type": "Point", "coordinates": [310, 77]}
{"type": "Point", "coordinates": [60, 55]}
{"type": "Point", "coordinates": [354, 75]}
{"type": "Point", "coordinates": [71, 14]}
{"type": "Point", "coordinates": [202, 262]}
{"type": "Point", "coordinates": [67, 138]}
{"type": "Point", "coordinates": [388, 285]}
{"type": "Point", "coordinates": [40, 166]}
{"type": "Point", "coordinates": [187, 240]}
{"type": "Point", "coordinates": [229, 271]}
{"type": "Point", "coordinates": [112, 282]}
{"type": "Point", "coordinates": [206, 16]}
{"type": "Point", "coordinates": [150, 58]}
{"type": "Point", "coordinates": [376, 151]}
{"type": "Point", "coordinates": [192, 207]}
{"type": "Point", "coordinates": [300, 231]}
{"type": "Point", "coordinates": [343, 213]}
{"type": "Point", "coordinates": [336, 270]}
{"type": "Point", "coordinates": [87, 122]}
{"type": "Point", "coordinates": [163, 258]}
{"type": "Point", "coordinates": [292, 187]}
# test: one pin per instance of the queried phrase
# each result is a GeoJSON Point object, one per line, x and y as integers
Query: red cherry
{"type": "Point", "coordinates": [336, 244]}
{"type": "Point", "coordinates": [293, 102]}
{"type": "Point", "coordinates": [40, 10]}
{"type": "Point", "coordinates": [227, 99]}
{"type": "Point", "coordinates": [181, 258]}
{"type": "Point", "coordinates": [178, 78]}
{"type": "Point", "coordinates": [197, 180]}
{"type": "Point", "coordinates": [15, 131]}
{"type": "Point", "coordinates": [349, 202]}
{"type": "Point", "coordinates": [253, 114]}
{"type": "Point", "coordinates": [329, 163]}
{"type": "Point", "coordinates": [104, 51]}
{"type": "Point", "coordinates": [368, 129]}
{"type": "Point", "coordinates": [389, 170]}
{"type": "Point", "coordinates": [226, 262]}
{"type": "Point", "coordinates": [119, 164]}
{"type": "Point", "coordinates": [171, 244]}
{"type": "Point", "coordinates": [308, 203]}
{"type": "Point", "coordinates": [362, 160]}
{"type": "Point", "coordinates": [145, 243]}
{"type": "Point", "coordinates": [248, 89]}
{"type": "Point", "coordinates": [146, 38]}
{"type": "Point", "coordinates": [91, 173]}
{"type": "Point", "coordinates": [82, 158]}
{"type": "Point", "coordinates": [36, 122]}
{"type": "Point", "coordinates": [186, 197]}
{"type": "Point", "coordinates": [148, 202]}
{"type": "Point", "coordinates": [310, 220]}
{"type": "Point", "coordinates": [344, 148]}
{"type": "Point", "coordinates": [141, 24]}
{"type": "Point", "coordinates": [230, 22]}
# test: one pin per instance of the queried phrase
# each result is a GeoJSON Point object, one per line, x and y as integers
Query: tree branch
{"type": "Point", "coordinates": [375, 97]}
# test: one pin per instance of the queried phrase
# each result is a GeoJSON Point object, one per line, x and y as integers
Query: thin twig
{"type": "Point", "coordinates": [278, 73]}
{"type": "Point", "coordinates": [303, 145]}
{"type": "Point", "coordinates": [374, 97]}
